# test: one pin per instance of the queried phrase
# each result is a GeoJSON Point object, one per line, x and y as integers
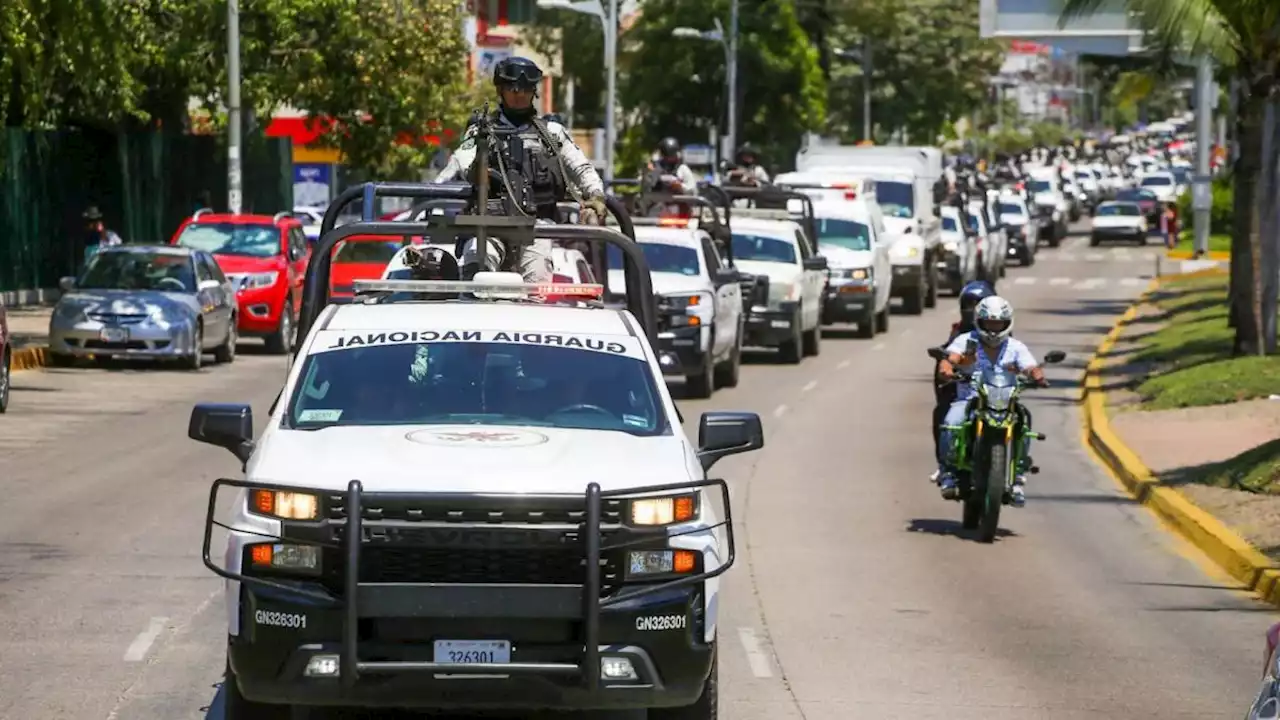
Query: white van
{"type": "Point", "coordinates": [852, 236]}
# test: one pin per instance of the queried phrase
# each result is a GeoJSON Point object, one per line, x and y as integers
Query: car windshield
{"type": "Point", "coordinates": [763, 247]}
{"type": "Point", "coordinates": [1120, 210]}
{"type": "Point", "coordinates": [1136, 195]}
{"type": "Point", "coordinates": [1005, 208]}
{"type": "Point", "coordinates": [1039, 186]}
{"type": "Point", "coordinates": [973, 222]}
{"type": "Point", "coordinates": [1157, 181]}
{"type": "Point", "coordinates": [379, 251]}
{"type": "Point", "coordinates": [662, 257]}
{"type": "Point", "coordinates": [477, 378]}
{"type": "Point", "coordinates": [895, 198]}
{"type": "Point", "coordinates": [133, 270]}
{"type": "Point", "coordinates": [1182, 175]}
{"type": "Point", "coordinates": [848, 234]}
{"type": "Point", "coordinates": [232, 239]}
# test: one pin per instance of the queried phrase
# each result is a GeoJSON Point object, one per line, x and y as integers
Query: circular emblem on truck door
{"type": "Point", "coordinates": [477, 437]}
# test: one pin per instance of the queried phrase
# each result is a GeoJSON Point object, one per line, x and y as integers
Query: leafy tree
{"type": "Point", "coordinates": [579, 39]}
{"type": "Point", "coordinates": [678, 86]}
{"type": "Point", "coordinates": [930, 67]}
{"type": "Point", "coordinates": [1243, 35]}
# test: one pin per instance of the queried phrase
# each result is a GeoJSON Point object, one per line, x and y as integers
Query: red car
{"type": "Point", "coordinates": [360, 257]}
{"type": "Point", "coordinates": [266, 260]}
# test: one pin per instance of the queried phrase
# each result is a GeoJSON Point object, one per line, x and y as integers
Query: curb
{"type": "Point", "coordinates": [1221, 544]}
{"type": "Point", "coordinates": [29, 358]}
{"type": "Point", "coordinates": [1189, 255]}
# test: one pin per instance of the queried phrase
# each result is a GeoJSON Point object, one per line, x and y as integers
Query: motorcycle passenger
{"type": "Point", "coordinates": [944, 393]}
{"type": "Point", "coordinates": [551, 162]}
{"type": "Point", "coordinates": [670, 173]}
{"type": "Point", "coordinates": [993, 344]}
{"type": "Point", "coordinates": [748, 170]}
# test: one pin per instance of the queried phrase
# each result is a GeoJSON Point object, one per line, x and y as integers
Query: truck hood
{"type": "Point", "coordinates": [841, 258]}
{"type": "Point", "coordinates": [468, 459]}
{"type": "Point", "coordinates": [900, 226]}
{"type": "Point", "coordinates": [664, 283]}
{"type": "Point", "coordinates": [776, 272]}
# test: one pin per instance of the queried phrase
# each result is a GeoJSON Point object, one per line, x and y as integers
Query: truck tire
{"type": "Point", "coordinates": [913, 304]}
{"type": "Point", "coordinates": [792, 351]}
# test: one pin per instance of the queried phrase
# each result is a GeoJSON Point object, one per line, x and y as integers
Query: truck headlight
{"type": "Point", "coordinates": [905, 252]}
{"type": "Point", "coordinates": [284, 505]}
{"type": "Point", "coordinates": [950, 245]}
{"type": "Point", "coordinates": [860, 274]}
{"type": "Point", "coordinates": [669, 510]}
{"type": "Point", "coordinates": [660, 562]}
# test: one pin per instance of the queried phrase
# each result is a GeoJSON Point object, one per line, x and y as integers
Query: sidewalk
{"type": "Point", "coordinates": [1179, 445]}
{"type": "Point", "coordinates": [29, 325]}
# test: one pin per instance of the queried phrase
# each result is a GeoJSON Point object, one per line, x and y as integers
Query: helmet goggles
{"type": "Point", "coordinates": [995, 326]}
{"type": "Point", "coordinates": [520, 77]}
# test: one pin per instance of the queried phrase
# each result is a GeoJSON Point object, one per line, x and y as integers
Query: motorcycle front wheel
{"type": "Point", "coordinates": [992, 499]}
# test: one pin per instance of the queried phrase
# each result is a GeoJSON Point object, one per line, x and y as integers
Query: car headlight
{"type": "Point", "coordinates": [669, 510]}
{"type": "Point", "coordinates": [253, 281]}
{"type": "Point", "coordinates": [284, 505]}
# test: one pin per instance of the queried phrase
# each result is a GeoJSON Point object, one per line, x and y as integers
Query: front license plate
{"type": "Point", "coordinates": [114, 335]}
{"type": "Point", "coordinates": [780, 323]}
{"type": "Point", "coordinates": [472, 652]}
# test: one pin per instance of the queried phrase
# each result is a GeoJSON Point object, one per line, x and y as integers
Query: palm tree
{"type": "Point", "coordinates": [1243, 36]}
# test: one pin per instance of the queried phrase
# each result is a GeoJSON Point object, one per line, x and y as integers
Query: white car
{"type": "Point", "coordinates": [699, 302]}
{"type": "Point", "coordinates": [569, 265]}
{"type": "Point", "coordinates": [311, 219]}
{"type": "Point", "coordinates": [780, 251]}
{"type": "Point", "coordinates": [1020, 228]}
{"type": "Point", "coordinates": [958, 264]}
{"type": "Point", "coordinates": [853, 239]}
{"type": "Point", "coordinates": [1118, 220]}
{"type": "Point", "coordinates": [1162, 183]}
{"type": "Point", "coordinates": [448, 488]}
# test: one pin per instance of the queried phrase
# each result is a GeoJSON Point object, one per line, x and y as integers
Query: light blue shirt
{"type": "Point", "coordinates": [1012, 352]}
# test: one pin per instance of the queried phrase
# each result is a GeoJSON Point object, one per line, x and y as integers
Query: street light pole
{"type": "Point", "coordinates": [866, 89]}
{"type": "Point", "coordinates": [733, 77]}
{"type": "Point", "coordinates": [1201, 184]}
{"type": "Point", "coordinates": [610, 20]}
{"type": "Point", "coordinates": [234, 194]}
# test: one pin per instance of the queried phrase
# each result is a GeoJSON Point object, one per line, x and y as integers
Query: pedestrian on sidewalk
{"type": "Point", "coordinates": [1166, 225]}
{"type": "Point", "coordinates": [97, 235]}
{"type": "Point", "coordinates": [1174, 226]}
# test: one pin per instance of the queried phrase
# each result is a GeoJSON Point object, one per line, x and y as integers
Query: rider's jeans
{"type": "Point", "coordinates": [536, 264]}
{"type": "Point", "coordinates": [952, 423]}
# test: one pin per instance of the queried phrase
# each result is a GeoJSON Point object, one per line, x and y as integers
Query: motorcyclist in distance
{"type": "Point", "coordinates": [748, 170]}
{"type": "Point", "coordinates": [670, 173]}
{"type": "Point", "coordinates": [553, 164]}
{"type": "Point", "coordinates": [992, 342]}
{"type": "Point", "coordinates": [944, 393]}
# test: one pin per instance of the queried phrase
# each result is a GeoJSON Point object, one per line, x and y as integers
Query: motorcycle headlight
{"type": "Point", "coordinates": [999, 398]}
{"type": "Point", "coordinates": [669, 510]}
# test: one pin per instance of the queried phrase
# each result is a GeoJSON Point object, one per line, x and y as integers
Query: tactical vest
{"type": "Point", "coordinates": [532, 165]}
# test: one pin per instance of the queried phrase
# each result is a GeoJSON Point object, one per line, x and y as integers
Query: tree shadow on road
{"type": "Point", "coordinates": [937, 526]}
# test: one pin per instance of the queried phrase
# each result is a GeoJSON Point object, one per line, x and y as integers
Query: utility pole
{"type": "Point", "coordinates": [1201, 184]}
{"type": "Point", "coordinates": [610, 21]}
{"type": "Point", "coordinates": [733, 78]}
{"type": "Point", "coordinates": [866, 89]}
{"type": "Point", "coordinates": [235, 198]}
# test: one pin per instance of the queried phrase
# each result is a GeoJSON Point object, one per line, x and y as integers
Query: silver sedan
{"type": "Point", "coordinates": [150, 302]}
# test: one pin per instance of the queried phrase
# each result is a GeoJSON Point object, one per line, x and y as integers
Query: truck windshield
{"type": "Point", "coordinates": [949, 224]}
{"type": "Point", "coordinates": [662, 257]}
{"type": "Point", "coordinates": [1039, 186]}
{"type": "Point", "coordinates": [848, 234]}
{"type": "Point", "coordinates": [763, 247]}
{"type": "Point", "coordinates": [895, 198]}
{"type": "Point", "coordinates": [474, 377]}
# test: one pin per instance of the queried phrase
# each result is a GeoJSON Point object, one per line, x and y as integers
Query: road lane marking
{"type": "Point", "coordinates": [1060, 281]}
{"type": "Point", "coordinates": [843, 364]}
{"type": "Point", "coordinates": [1024, 281]}
{"type": "Point", "coordinates": [756, 656]}
{"type": "Point", "coordinates": [905, 332]}
{"type": "Point", "coordinates": [1090, 284]}
{"type": "Point", "coordinates": [780, 411]}
{"type": "Point", "coordinates": [878, 346]}
{"type": "Point", "coordinates": [1095, 257]}
{"type": "Point", "coordinates": [1130, 282]}
{"type": "Point", "coordinates": [809, 386]}
{"type": "Point", "coordinates": [138, 648]}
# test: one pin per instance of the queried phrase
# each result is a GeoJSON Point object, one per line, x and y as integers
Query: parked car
{"type": "Point", "coordinates": [359, 257]}
{"type": "Point", "coordinates": [266, 259]}
{"type": "Point", "coordinates": [149, 302]}
{"type": "Point", "coordinates": [1146, 200]}
{"type": "Point", "coordinates": [6, 360]}
{"type": "Point", "coordinates": [1118, 220]}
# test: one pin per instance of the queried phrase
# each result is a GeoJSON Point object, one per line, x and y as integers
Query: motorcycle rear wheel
{"type": "Point", "coordinates": [992, 498]}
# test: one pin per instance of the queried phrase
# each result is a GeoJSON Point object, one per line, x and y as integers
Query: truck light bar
{"type": "Point", "coordinates": [479, 289]}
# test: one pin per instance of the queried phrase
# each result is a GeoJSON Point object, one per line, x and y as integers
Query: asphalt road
{"type": "Point", "coordinates": [856, 596]}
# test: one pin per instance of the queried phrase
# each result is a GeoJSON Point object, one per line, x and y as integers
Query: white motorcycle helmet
{"type": "Point", "coordinates": [993, 319]}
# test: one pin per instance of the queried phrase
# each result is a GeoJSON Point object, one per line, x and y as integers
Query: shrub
{"type": "Point", "coordinates": [1222, 217]}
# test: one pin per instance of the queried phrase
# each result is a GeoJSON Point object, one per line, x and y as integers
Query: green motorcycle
{"type": "Point", "coordinates": [989, 452]}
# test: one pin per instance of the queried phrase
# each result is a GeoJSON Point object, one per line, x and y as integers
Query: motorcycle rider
{"type": "Point", "coordinates": [748, 170]}
{"type": "Point", "coordinates": [944, 393]}
{"type": "Point", "coordinates": [670, 173]}
{"type": "Point", "coordinates": [553, 164]}
{"type": "Point", "coordinates": [990, 342]}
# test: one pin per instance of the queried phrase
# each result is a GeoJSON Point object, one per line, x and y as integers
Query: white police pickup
{"type": "Point", "coordinates": [473, 501]}
{"type": "Point", "coordinates": [700, 312]}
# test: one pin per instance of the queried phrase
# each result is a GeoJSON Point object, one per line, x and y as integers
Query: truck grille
{"type": "Point", "coordinates": [474, 540]}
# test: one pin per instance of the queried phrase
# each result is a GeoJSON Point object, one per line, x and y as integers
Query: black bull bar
{"type": "Point", "coordinates": [580, 602]}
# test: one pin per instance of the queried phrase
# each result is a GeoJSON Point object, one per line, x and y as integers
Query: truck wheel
{"type": "Point", "coordinates": [913, 304]}
{"type": "Point", "coordinates": [702, 385]}
{"type": "Point", "coordinates": [236, 707]}
{"type": "Point", "coordinates": [792, 350]}
{"type": "Point", "coordinates": [813, 341]}
{"type": "Point", "coordinates": [882, 320]}
{"type": "Point", "coordinates": [931, 284]}
{"type": "Point", "coordinates": [707, 706]}
{"type": "Point", "coordinates": [867, 325]}
{"type": "Point", "coordinates": [727, 374]}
